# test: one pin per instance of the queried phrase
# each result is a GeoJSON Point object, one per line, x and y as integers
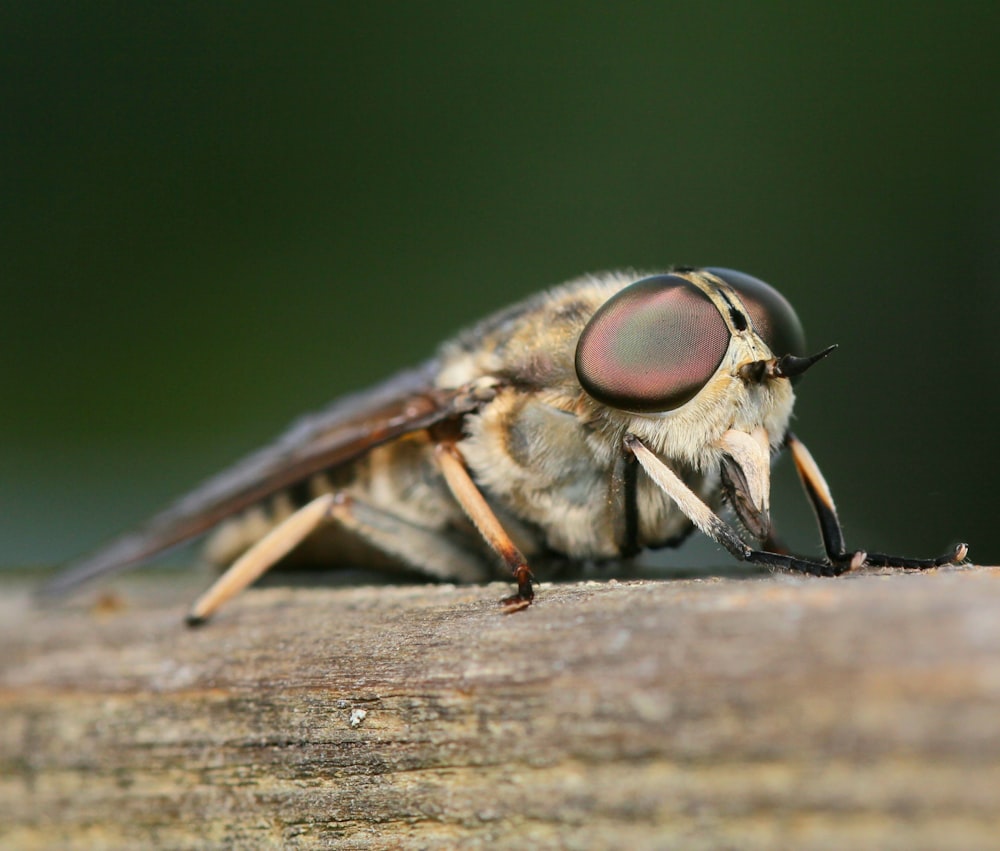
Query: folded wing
{"type": "Point", "coordinates": [345, 430]}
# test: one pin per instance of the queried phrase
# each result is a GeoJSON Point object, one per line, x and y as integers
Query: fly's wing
{"type": "Point", "coordinates": [349, 427]}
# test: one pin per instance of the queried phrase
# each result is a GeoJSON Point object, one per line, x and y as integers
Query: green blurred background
{"type": "Point", "coordinates": [216, 216]}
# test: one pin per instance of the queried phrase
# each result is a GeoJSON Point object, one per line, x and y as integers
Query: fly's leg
{"type": "Point", "coordinates": [475, 506]}
{"type": "Point", "coordinates": [687, 500]}
{"type": "Point", "coordinates": [263, 555]}
{"type": "Point", "coordinates": [411, 544]}
{"type": "Point", "coordinates": [624, 501]}
{"type": "Point", "coordinates": [721, 532]}
{"type": "Point", "coordinates": [414, 545]}
{"type": "Point", "coordinates": [826, 515]}
{"type": "Point", "coordinates": [773, 543]}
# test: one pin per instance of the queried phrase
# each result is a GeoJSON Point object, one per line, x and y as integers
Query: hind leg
{"type": "Point", "coordinates": [417, 546]}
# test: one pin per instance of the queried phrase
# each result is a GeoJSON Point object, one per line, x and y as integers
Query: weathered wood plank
{"type": "Point", "coordinates": [758, 713]}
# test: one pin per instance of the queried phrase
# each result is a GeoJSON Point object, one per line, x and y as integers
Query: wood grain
{"type": "Point", "coordinates": [724, 713]}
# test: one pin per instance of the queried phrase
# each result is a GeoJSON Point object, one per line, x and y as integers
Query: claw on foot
{"type": "Point", "coordinates": [525, 593]}
{"type": "Point", "coordinates": [514, 603]}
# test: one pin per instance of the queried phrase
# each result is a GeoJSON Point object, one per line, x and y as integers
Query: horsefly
{"type": "Point", "coordinates": [612, 414]}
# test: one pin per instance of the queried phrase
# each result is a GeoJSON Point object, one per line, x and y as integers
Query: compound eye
{"type": "Point", "coordinates": [652, 346]}
{"type": "Point", "coordinates": [773, 317]}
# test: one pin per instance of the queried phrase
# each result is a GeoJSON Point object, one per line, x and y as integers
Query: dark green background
{"type": "Point", "coordinates": [216, 216]}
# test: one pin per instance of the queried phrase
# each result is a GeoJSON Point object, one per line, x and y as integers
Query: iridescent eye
{"type": "Point", "coordinates": [773, 317]}
{"type": "Point", "coordinates": [652, 346]}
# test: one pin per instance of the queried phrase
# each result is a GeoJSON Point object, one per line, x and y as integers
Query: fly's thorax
{"type": "Point", "coordinates": [531, 343]}
{"type": "Point", "coordinates": [529, 441]}
{"type": "Point", "coordinates": [540, 461]}
{"type": "Point", "coordinates": [534, 461]}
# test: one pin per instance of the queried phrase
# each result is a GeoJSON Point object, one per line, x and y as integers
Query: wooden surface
{"type": "Point", "coordinates": [767, 712]}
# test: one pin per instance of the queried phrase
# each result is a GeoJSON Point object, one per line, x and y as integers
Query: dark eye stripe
{"type": "Point", "coordinates": [773, 317]}
{"type": "Point", "coordinates": [652, 346]}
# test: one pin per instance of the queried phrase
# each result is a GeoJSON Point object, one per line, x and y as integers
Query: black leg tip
{"type": "Point", "coordinates": [195, 621]}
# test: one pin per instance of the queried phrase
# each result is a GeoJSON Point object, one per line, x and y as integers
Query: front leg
{"type": "Point", "coordinates": [826, 515]}
{"type": "Point", "coordinates": [709, 522]}
{"type": "Point", "coordinates": [721, 532]}
{"type": "Point", "coordinates": [623, 500]}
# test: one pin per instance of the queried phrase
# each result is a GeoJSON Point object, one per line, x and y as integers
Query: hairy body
{"type": "Point", "coordinates": [611, 414]}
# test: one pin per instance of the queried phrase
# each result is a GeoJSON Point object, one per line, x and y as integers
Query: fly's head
{"type": "Point", "coordinates": [698, 364]}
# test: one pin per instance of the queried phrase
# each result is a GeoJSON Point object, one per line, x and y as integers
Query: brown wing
{"type": "Point", "coordinates": [345, 430]}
